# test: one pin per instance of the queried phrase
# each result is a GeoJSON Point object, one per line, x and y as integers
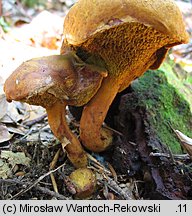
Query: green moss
{"type": "Point", "coordinates": [182, 82]}
{"type": "Point", "coordinates": [189, 80]}
{"type": "Point", "coordinates": [165, 106]}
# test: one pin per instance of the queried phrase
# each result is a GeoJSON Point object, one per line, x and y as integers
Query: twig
{"type": "Point", "coordinates": [17, 123]}
{"type": "Point", "coordinates": [180, 157]}
{"type": "Point", "coordinates": [112, 184]}
{"type": "Point", "coordinates": [51, 193]}
{"type": "Point", "coordinates": [52, 166]}
{"type": "Point", "coordinates": [34, 121]}
{"type": "Point", "coordinates": [42, 189]}
{"type": "Point", "coordinates": [36, 182]}
{"type": "Point", "coordinates": [114, 174]}
{"type": "Point", "coordinates": [117, 189]}
{"type": "Point", "coordinates": [97, 164]}
{"type": "Point", "coordinates": [170, 154]}
{"type": "Point", "coordinates": [113, 130]}
{"type": "Point", "coordinates": [35, 152]}
{"type": "Point", "coordinates": [29, 132]}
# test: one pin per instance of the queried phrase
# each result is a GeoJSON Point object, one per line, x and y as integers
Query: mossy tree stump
{"type": "Point", "coordinates": [148, 113]}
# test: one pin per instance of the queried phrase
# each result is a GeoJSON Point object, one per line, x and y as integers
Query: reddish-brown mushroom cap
{"type": "Point", "coordinates": [130, 36]}
{"type": "Point", "coordinates": [54, 82]}
{"type": "Point", "coordinates": [42, 81]}
{"type": "Point", "coordinates": [87, 18]}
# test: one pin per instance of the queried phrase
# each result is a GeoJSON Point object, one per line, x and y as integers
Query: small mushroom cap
{"type": "Point", "coordinates": [84, 181]}
{"type": "Point", "coordinates": [87, 18]}
{"type": "Point", "coordinates": [42, 81]}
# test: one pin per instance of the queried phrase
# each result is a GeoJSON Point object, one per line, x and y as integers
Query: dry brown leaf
{"type": "Point", "coordinates": [4, 134]}
{"type": "Point", "coordinates": [12, 115]}
{"type": "Point", "coordinates": [33, 112]}
{"type": "Point", "coordinates": [40, 135]}
{"type": "Point", "coordinates": [3, 106]}
{"type": "Point", "coordinates": [17, 130]}
{"type": "Point", "coordinates": [5, 170]}
{"type": "Point", "coordinates": [185, 141]}
{"type": "Point", "coordinates": [15, 158]}
{"type": "Point", "coordinates": [44, 30]}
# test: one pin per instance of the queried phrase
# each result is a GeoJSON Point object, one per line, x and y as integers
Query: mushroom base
{"type": "Point", "coordinates": [93, 136]}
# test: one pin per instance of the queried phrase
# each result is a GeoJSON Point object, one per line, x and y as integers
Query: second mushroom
{"type": "Point", "coordinates": [55, 82]}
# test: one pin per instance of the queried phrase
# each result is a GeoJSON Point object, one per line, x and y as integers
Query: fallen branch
{"type": "Point", "coordinates": [36, 182]}
{"type": "Point", "coordinates": [42, 189]}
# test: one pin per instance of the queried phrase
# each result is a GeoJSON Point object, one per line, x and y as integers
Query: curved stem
{"type": "Point", "coordinates": [58, 124]}
{"type": "Point", "coordinates": [92, 135]}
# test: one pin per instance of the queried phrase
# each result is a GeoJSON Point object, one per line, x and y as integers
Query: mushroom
{"type": "Point", "coordinates": [84, 181]}
{"type": "Point", "coordinates": [54, 82]}
{"type": "Point", "coordinates": [129, 37]}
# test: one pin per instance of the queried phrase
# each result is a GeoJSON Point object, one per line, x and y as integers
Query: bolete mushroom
{"type": "Point", "coordinates": [54, 82]}
{"type": "Point", "coordinates": [84, 181]}
{"type": "Point", "coordinates": [129, 36]}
